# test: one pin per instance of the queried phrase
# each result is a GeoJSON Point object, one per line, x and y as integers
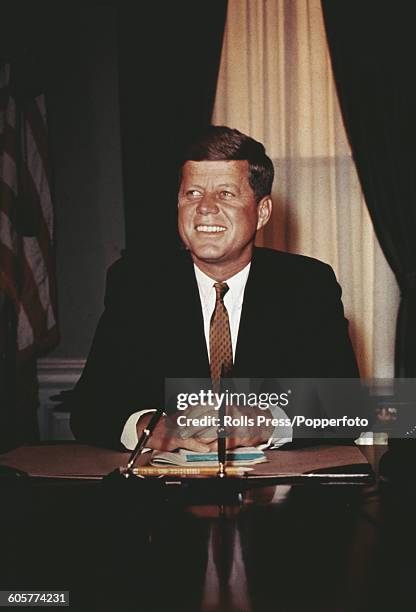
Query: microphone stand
{"type": "Point", "coordinates": [221, 433]}
{"type": "Point", "coordinates": [222, 444]}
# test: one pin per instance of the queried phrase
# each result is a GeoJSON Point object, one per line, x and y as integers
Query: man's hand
{"type": "Point", "coordinates": [167, 434]}
{"type": "Point", "coordinates": [244, 430]}
{"type": "Point", "coordinates": [240, 433]}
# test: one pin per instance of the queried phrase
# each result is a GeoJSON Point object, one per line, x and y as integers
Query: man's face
{"type": "Point", "coordinates": [218, 215]}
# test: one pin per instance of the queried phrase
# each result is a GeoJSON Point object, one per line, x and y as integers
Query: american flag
{"type": "Point", "coordinates": [26, 221]}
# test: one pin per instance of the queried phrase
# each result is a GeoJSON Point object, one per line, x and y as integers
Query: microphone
{"type": "Point", "coordinates": [222, 443]}
{"type": "Point", "coordinates": [221, 431]}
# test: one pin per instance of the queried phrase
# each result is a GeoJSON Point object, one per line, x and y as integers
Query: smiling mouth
{"type": "Point", "coordinates": [210, 229]}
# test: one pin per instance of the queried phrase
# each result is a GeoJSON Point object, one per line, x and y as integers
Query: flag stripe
{"type": "Point", "coordinates": [8, 173]}
{"type": "Point", "coordinates": [43, 233]}
{"type": "Point", "coordinates": [9, 176]}
{"type": "Point", "coordinates": [7, 234]}
{"type": "Point", "coordinates": [36, 264]}
{"type": "Point", "coordinates": [26, 299]}
{"type": "Point", "coordinates": [26, 220]}
{"type": "Point", "coordinates": [7, 109]}
{"type": "Point", "coordinates": [40, 180]}
{"type": "Point", "coordinates": [38, 132]}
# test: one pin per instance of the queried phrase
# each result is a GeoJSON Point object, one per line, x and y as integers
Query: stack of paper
{"type": "Point", "coordinates": [245, 455]}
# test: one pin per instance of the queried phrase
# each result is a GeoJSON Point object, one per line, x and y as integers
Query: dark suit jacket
{"type": "Point", "coordinates": [292, 325]}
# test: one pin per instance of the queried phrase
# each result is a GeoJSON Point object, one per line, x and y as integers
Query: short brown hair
{"type": "Point", "coordinates": [219, 142]}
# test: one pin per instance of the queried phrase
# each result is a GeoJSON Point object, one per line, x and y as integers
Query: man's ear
{"type": "Point", "coordinates": [264, 211]}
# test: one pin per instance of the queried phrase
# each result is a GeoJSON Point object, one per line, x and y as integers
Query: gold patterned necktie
{"type": "Point", "coordinates": [220, 347]}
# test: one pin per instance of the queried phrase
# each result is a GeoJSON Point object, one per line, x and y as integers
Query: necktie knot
{"type": "Point", "coordinates": [220, 289]}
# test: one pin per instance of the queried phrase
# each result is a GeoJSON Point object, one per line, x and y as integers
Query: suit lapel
{"type": "Point", "coordinates": [256, 354]}
{"type": "Point", "coordinates": [187, 326]}
{"type": "Point", "coordinates": [262, 337]}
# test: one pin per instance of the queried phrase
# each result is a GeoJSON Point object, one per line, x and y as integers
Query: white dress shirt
{"type": "Point", "coordinates": [233, 301]}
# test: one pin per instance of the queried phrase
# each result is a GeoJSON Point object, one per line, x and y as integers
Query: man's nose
{"type": "Point", "coordinates": [207, 205]}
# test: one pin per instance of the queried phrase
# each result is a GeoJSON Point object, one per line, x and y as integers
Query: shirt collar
{"type": "Point", "coordinates": [236, 283]}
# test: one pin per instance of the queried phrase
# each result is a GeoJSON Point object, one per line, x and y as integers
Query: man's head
{"type": "Point", "coordinates": [221, 143]}
{"type": "Point", "coordinates": [224, 198]}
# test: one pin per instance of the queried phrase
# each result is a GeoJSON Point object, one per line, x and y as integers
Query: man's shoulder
{"type": "Point", "coordinates": [146, 265]}
{"type": "Point", "coordinates": [290, 265]}
{"type": "Point", "coordinates": [132, 270]}
{"type": "Point", "coordinates": [136, 273]}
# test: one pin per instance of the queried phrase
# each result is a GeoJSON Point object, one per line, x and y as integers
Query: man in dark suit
{"type": "Point", "coordinates": [266, 314]}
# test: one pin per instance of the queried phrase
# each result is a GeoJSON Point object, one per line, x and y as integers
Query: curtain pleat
{"type": "Point", "coordinates": [276, 84]}
{"type": "Point", "coordinates": [373, 48]}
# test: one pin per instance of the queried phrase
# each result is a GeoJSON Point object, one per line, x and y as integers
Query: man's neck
{"type": "Point", "coordinates": [220, 272]}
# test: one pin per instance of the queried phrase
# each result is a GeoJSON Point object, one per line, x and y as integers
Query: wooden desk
{"type": "Point", "coordinates": [324, 548]}
{"type": "Point", "coordinates": [73, 460]}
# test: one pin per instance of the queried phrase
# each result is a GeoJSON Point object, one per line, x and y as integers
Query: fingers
{"type": "Point", "coordinates": [234, 443]}
{"type": "Point", "coordinates": [196, 412]}
{"type": "Point", "coordinates": [194, 445]}
{"type": "Point", "coordinates": [199, 426]}
{"type": "Point", "coordinates": [207, 435]}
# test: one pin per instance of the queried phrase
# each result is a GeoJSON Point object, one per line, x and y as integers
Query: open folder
{"type": "Point", "coordinates": [242, 456]}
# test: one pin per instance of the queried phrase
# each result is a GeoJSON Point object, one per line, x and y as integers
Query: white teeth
{"type": "Point", "coordinates": [210, 228]}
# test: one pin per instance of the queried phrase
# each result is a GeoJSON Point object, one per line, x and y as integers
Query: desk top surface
{"type": "Point", "coordinates": [76, 460]}
{"type": "Point", "coordinates": [292, 548]}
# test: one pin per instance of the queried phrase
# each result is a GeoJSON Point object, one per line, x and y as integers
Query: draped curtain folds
{"type": "Point", "coordinates": [275, 83]}
{"type": "Point", "coordinates": [373, 48]}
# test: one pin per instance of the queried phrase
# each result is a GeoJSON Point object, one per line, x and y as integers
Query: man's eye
{"type": "Point", "coordinates": [226, 195]}
{"type": "Point", "coordinates": [193, 193]}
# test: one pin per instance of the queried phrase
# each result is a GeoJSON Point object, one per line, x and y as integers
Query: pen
{"type": "Point", "coordinates": [147, 432]}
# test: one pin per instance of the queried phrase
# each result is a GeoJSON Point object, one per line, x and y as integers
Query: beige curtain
{"type": "Point", "coordinates": [276, 84]}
